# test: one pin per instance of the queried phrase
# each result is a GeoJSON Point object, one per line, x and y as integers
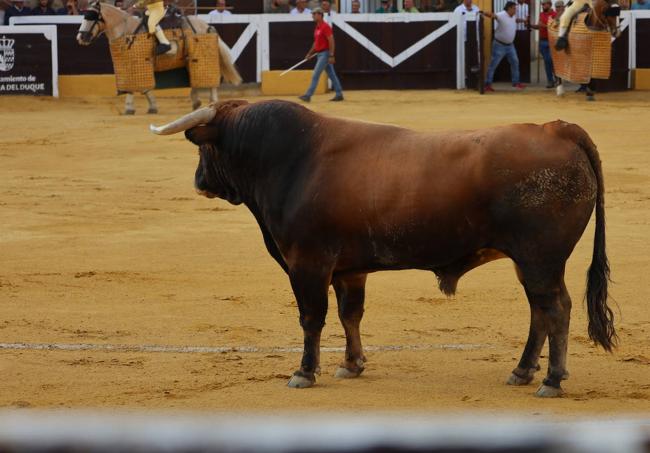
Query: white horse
{"type": "Point", "coordinates": [104, 18]}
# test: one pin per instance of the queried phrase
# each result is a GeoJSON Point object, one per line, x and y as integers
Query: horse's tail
{"type": "Point", "coordinates": [601, 318]}
{"type": "Point", "coordinates": [228, 70]}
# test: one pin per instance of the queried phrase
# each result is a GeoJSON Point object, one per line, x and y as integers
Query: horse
{"type": "Point", "coordinates": [115, 23]}
{"type": "Point", "coordinates": [603, 16]}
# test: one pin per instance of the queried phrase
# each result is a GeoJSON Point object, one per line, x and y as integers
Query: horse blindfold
{"type": "Point", "coordinates": [91, 15]}
{"type": "Point", "coordinates": [613, 11]}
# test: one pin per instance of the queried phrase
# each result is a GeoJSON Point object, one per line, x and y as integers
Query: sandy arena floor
{"type": "Point", "coordinates": [103, 241]}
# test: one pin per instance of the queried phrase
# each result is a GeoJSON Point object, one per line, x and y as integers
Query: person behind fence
{"type": "Point", "coordinates": [16, 9]}
{"type": "Point", "coordinates": [641, 4]}
{"type": "Point", "coordinates": [69, 8]}
{"type": "Point", "coordinates": [356, 7]}
{"type": "Point", "coordinates": [301, 7]}
{"type": "Point", "coordinates": [324, 49]}
{"type": "Point", "coordinates": [503, 44]}
{"type": "Point", "coordinates": [220, 10]}
{"type": "Point", "coordinates": [387, 6]}
{"type": "Point", "coordinates": [44, 8]}
{"type": "Point", "coordinates": [409, 7]}
{"type": "Point", "coordinates": [545, 15]}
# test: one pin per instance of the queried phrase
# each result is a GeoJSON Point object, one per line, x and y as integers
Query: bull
{"type": "Point", "coordinates": [336, 199]}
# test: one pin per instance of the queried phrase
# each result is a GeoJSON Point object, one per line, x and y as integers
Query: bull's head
{"type": "Point", "coordinates": [213, 176]}
{"type": "Point", "coordinates": [92, 24]}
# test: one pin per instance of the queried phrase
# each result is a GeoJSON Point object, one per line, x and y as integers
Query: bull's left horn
{"type": "Point", "coordinates": [201, 116]}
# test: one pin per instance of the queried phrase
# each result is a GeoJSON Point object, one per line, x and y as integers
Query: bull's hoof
{"type": "Point", "coordinates": [546, 391]}
{"type": "Point", "coordinates": [516, 380]}
{"type": "Point", "coordinates": [301, 380]}
{"type": "Point", "coordinates": [196, 105]}
{"type": "Point", "coordinates": [129, 112]}
{"type": "Point", "coordinates": [152, 111]}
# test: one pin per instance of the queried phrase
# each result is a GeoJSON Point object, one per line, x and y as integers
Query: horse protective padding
{"type": "Point", "coordinates": [203, 60]}
{"type": "Point", "coordinates": [132, 57]}
{"type": "Point", "coordinates": [589, 55]}
{"type": "Point", "coordinates": [166, 62]}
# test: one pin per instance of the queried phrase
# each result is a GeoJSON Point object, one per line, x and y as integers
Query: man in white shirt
{"type": "Point", "coordinates": [503, 44]}
{"type": "Point", "coordinates": [463, 10]}
{"type": "Point", "coordinates": [522, 14]}
{"type": "Point", "coordinates": [301, 8]}
{"type": "Point", "coordinates": [220, 11]}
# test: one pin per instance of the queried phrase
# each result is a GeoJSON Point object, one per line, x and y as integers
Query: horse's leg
{"type": "Point", "coordinates": [153, 107]}
{"type": "Point", "coordinates": [350, 295]}
{"type": "Point", "coordinates": [550, 306]}
{"type": "Point", "coordinates": [214, 97]}
{"type": "Point", "coordinates": [194, 96]}
{"type": "Point", "coordinates": [129, 109]}
{"type": "Point", "coordinates": [590, 92]}
{"type": "Point", "coordinates": [559, 89]}
{"type": "Point", "coordinates": [310, 284]}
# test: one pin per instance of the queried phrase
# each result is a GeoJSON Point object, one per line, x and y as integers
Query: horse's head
{"type": "Point", "coordinates": [607, 14]}
{"type": "Point", "coordinates": [92, 25]}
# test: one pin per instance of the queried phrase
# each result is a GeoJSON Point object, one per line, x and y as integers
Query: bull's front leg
{"type": "Point", "coordinates": [350, 295]}
{"type": "Point", "coordinates": [310, 288]}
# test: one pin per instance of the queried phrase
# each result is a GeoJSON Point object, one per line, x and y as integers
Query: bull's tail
{"type": "Point", "coordinates": [601, 318]}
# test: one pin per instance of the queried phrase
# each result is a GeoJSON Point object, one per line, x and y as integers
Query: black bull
{"type": "Point", "coordinates": [336, 199]}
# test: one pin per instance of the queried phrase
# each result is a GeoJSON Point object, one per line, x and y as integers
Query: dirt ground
{"type": "Point", "coordinates": [103, 241]}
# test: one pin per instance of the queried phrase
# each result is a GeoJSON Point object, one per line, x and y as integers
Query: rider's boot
{"type": "Point", "coordinates": [562, 42]}
{"type": "Point", "coordinates": [163, 46]}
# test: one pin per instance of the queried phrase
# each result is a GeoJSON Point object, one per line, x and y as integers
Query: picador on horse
{"type": "Point", "coordinates": [571, 12]}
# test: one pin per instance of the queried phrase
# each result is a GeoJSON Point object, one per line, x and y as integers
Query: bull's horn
{"type": "Point", "coordinates": [201, 116]}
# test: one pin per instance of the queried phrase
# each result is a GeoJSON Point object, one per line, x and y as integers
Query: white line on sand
{"type": "Point", "coordinates": [219, 349]}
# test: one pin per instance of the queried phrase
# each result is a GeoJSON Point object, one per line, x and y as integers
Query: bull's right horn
{"type": "Point", "coordinates": [201, 116]}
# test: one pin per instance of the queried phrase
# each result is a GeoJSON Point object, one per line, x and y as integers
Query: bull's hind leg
{"type": "Point", "coordinates": [550, 306]}
{"type": "Point", "coordinates": [310, 289]}
{"type": "Point", "coordinates": [350, 295]}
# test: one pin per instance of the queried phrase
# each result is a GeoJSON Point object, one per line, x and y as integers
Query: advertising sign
{"type": "Point", "coordinates": [28, 60]}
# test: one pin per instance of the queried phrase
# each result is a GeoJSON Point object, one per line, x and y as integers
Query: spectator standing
{"type": "Point", "coordinates": [641, 4]}
{"type": "Point", "coordinates": [409, 7]}
{"type": "Point", "coordinates": [220, 10]}
{"type": "Point", "coordinates": [324, 49]}
{"type": "Point", "coordinates": [16, 9]}
{"type": "Point", "coordinates": [463, 10]}
{"type": "Point", "coordinates": [522, 15]}
{"type": "Point", "coordinates": [44, 8]}
{"type": "Point", "coordinates": [356, 7]}
{"type": "Point", "coordinates": [386, 7]}
{"type": "Point", "coordinates": [545, 15]}
{"type": "Point", "coordinates": [301, 8]}
{"type": "Point", "coordinates": [559, 8]}
{"type": "Point", "coordinates": [503, 44]}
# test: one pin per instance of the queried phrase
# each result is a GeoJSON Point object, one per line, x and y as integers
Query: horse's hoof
{"type": "Point", "coordinates": [546, 391]}
{"type": "Point", "coordinates": [152, 111]}
{"type": "Point", "coordinates": [298, 381]}
{"type": "Point", "coordinates": [559, 90]}
{"type": "Point", "coordinates": [516, 380]}
{"type": "Point", "coordinates": [196, 105]}
{"type": "Point", "coordinates": [346, 373]}
{"type": "Point", "coordinates": [129, 112]}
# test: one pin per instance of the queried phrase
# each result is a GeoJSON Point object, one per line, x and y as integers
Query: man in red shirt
{"type": "Point", "coordinates": [323, 47]}
{"type": "Point", "coordinates": [544, 16]}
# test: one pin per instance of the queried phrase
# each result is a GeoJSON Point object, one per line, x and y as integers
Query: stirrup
{"type": "Point", "coordinates": [561, 43]}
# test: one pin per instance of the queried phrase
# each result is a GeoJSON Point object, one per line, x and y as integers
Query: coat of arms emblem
{"type": "Point", "coordinates": [7, 54]}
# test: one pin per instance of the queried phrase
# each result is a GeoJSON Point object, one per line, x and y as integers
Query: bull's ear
{"type": "Point", "coordinates": [200, 135]}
